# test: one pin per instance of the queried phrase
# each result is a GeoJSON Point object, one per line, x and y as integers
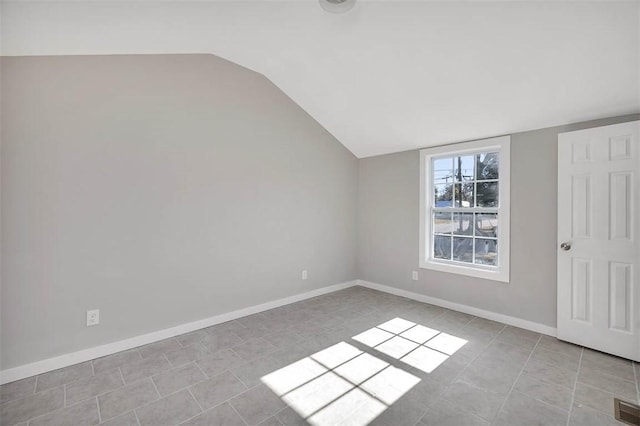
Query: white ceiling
{"type": "Point", "coordinates": [388, 75]}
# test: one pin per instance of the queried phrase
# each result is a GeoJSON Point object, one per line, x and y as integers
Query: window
{"type": "Point", "coordinates": [464, 208]}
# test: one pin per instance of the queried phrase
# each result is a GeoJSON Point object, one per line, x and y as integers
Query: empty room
{"type": "Point", "coordinates": [324, 212]}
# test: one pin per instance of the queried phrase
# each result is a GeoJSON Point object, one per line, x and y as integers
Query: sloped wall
{"type": "Point", "coordinates": [161, 189]}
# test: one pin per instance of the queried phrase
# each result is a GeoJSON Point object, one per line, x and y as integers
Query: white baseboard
{"type": "Point", "coordinates": [50, 364]}
{"type": "Point", "coordinates": [506, 319]}
{"type": "Point", "coordinates": [39, 367]}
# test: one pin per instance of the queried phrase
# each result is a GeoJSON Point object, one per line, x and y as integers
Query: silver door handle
{"type": "Point", "coordinates": [565, 246]}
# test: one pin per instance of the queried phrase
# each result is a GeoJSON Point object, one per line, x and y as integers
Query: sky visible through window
{"type": "Point", "coordinates": [470, 184]}
{"type": "Point", "coordinates": [446, 170]}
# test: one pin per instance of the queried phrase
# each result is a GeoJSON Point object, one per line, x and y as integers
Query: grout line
{"type": "Point", "coordinates": [280, 411]}
{"type": "Point", "coordinates": [251, 388]}
{"type": "Point", "coordinates": [236, 354]}
{"type": "Point", "coordinates": [516, 380]}
{"type": "Point", "coordinates": [354, 385]}
{"type": "Point", "coordinates": [124, 382]}
{"type": "Point", "coordinates": [234, 409]}
{"type": "Point", "coordinates": [445, 310]}
{"type": "Point", "coordinates": [239, 379]}
{"type": "Point", "coordinates": [260, 384]}
{"type": "Point", "coordinates": [190, 418]}
{"type": "Point", "coordinates": [143, 405]}
{"type": "Point", "coordinates": [93, 370]}
{"type": "Point", "coordinates": [180, 343]}
{"type": "Point", "coordinates": [201, 370]}
{"type": "Point", "coordinates": [99, 414]}
{"type": "Point", "coordinates": [35, 385]}
{"type": "Point", "coordinates": [194, 398]}
{"type": "Point", "coordinates": [212, 407]}
{"type": "Point", "coordinates": [171, 367]}
{"type": "Point", "coordinates": [86, 399]}
{"type": "Point", "coordinates": [575, 385]}
{"type": "Point", "coordinates": [63, 407]}
{"type": "Point", "coordinates": [155, 387]}
{"type": "Point", "coordinates": [64, 393]}
{"type": "Point", "coordinates": [455, 380]}
{"type": "Point", "coordinates": [177, 390]}
{"type": "Point", "coordinates": [405, 338]}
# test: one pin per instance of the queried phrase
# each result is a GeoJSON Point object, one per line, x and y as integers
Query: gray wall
{"type": "Point", "coordinates": [161, 190]}
{"type": "Point", "coordinates": [166, 189]}
{"type": "Point", "coordinates": [388, 224]}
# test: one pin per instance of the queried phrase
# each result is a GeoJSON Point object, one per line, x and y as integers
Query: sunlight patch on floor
{"type": "Point", "coordinates": [446, 343]}
{"type": "Point", "coordinates": [390, 384]}
{"type": "Point", "coordinates": [397, 347]}
{"type": "Point", "coordinates": [373, 337]}
{"type": "Point", "coordinates": [340, 385]}
{"type": "Point", "coordinates": [361, 368]}
{"type": "Point", "coordinates": [416, 345]}
{"type": "Point", "coordinates": [318, 393]}
{"type": "Point", "coordinates": [294, 375]}
{"type": "Point", "coordinates": [354, 408]}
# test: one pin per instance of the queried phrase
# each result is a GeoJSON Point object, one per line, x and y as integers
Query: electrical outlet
{"type": "Point", "coordinates": [93, 317]}
{"type": "Point", "coordinates": [305, 275]}
{"type": "Point", "coordinates": [414, 275]}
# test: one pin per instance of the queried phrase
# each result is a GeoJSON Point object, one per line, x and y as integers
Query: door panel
{"type": "Point", "coordinates": [598, 194]}
{"type": "Point", "coordinates": [581, 289]}
{"type": "Point", "coordinates": [620, 190]}
{"type": "Point", "coordinates": [581, 206]}
{"type": "Point", "coordinates": [620, 296]}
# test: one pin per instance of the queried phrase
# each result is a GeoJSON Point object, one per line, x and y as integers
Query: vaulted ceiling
{"type": "Point", "coordinates": [388, 75]}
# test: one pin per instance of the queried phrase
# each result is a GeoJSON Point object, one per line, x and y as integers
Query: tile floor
{"type": "Point", "coordinates": [355, 356]}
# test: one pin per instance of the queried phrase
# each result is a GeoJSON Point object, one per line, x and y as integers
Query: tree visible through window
{"type": "Point", "coordinates": [465, 216]}
{"type": "Point", "coordinates": [463, 208]}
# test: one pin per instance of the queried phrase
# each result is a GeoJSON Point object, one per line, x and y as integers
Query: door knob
{"type": "Point", "coordinates": [565, 246]}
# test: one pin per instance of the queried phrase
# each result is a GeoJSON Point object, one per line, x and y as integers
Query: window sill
{"type": "Point", "coordinates": [487, 274]}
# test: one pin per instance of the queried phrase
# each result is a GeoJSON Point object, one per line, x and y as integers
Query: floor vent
{"type": "Point", "coordinates": [627, 412]}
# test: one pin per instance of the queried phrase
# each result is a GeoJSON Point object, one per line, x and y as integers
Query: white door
{"type": "Point", "coordinates": [599, 238]}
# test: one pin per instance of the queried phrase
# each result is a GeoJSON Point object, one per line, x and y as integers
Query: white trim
{"type": "Point", "coordinates": [39, 367]}
{"type": "Point", "coordinates": [506, 319]}
{"type": "Point", "coordinates": [502, 144]}
{"type": "Point", "coordinates": [50, 364]}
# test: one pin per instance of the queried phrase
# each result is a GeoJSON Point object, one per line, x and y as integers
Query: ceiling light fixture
{"type": "Point", "coordinates": [337, 6]}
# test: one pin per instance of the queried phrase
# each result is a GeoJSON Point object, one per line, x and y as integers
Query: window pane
{"type": "Point", "coordinates": [441, 247]}
{"type": "Point", "coordinates": [487, 195]}
{"type": "Point", "coordinates": [443, 170]}
{"type": "Point", "coordinates": [463, 249]}
{"type": "Point", "coordinates": [486, 252]}
{"type": "Point", "coordinates": [463, 168]}
{"type": "Point", "coordinates": [487, 165]}
{"type": "Point", "coordinates": [442, 223]}
{"type": "Point", "coordinates": [487, 225]}
{"type": "Point", "coordinates": [463, 223]}
{"type": "Point", "coordinates": [463, 195]}
{"type": "Point", "coordinates": [443, 195]}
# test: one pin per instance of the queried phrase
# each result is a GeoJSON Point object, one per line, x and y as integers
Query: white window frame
{"type": "Point", "coordinates": [500, 144]}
